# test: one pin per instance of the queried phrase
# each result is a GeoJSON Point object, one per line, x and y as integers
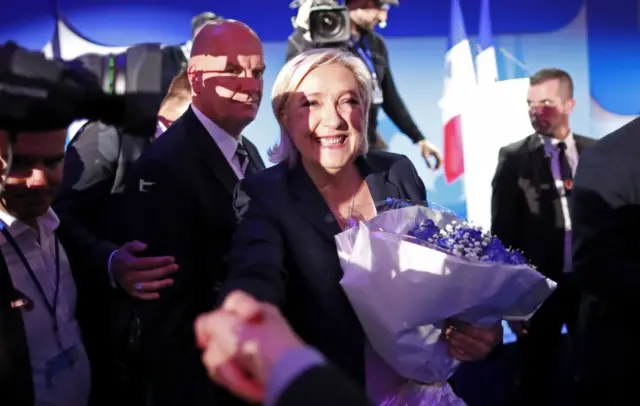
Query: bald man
{"type": "Point", "coordinates": [180, 203]}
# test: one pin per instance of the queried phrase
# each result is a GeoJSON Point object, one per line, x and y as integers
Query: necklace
{"type": "Point", "coordinates": [349, 221]}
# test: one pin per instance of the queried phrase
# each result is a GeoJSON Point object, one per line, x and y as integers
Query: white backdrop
{"type": "Point", "coordinates": [495, 116]}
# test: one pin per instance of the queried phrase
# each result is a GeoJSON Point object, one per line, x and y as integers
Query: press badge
{"type": "Point", "coordinates": [378, 97]}
{"type": "Point", "coordinates": [61, 362]}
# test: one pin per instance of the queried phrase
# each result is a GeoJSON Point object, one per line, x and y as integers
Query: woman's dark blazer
{"type": "Point", "coordinates": [284, 251]}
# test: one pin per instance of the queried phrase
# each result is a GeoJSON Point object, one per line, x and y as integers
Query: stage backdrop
{"type": "Point", "coordinates": [576, 35]}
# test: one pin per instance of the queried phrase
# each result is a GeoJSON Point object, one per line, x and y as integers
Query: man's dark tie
{"type": "Point", "coordinates": [246, 165]}
{"type": "Point", "coordinates": [565, 169]}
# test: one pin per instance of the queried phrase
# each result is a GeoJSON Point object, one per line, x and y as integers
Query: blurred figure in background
{"type": "Point", "coordinates": [606, 218]}
{"type": "Point", "coordinates": [175, 103]}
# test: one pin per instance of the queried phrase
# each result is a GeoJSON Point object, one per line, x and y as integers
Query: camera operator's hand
{"type": "Point", "coordinates": [242, 341]}
{"type": "Point", "coordinates": [428, 150]}
{"type": "Point", "coordinates": [141, 277]}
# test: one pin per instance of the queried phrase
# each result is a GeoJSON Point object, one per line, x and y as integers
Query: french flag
{"type": "Point", "coordinates": [460, 81]}
{"type": "Point", "coordinates": [486, 62]}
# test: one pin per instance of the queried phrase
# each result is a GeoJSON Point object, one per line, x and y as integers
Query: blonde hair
{"type": "Point", "coordinates": [291, 76]}
{"type": "Point", "coordinates": [179, 92]}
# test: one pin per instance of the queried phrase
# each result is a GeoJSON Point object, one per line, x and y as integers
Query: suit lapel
{"type": "Point", "coordinates": [311, 203]}
{"type": "Point", "coordinates": [315, 209]}
{"type": "Point", "coordinates": [254, 155]}
{"type": "Point", "coordinates": [208, 151]}
{"type": "Point", "coordinates": [15, 366]}
{"type": "Point", "coordinates": [377, 180]}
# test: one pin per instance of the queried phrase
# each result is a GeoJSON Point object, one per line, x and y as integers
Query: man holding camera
{"type": "Point", "coordinates": [323, 23]}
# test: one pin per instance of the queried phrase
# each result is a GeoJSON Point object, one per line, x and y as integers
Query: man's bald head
{"type": "Point", "coordinates": [216, 33]}
{"type": "Point", "coordinates": [225, 70]}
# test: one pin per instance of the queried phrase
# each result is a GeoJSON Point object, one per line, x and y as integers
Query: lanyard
{"type": "Point", "coordinates": [367, 58]}
{"type": "Point", "coordinates": [51, 307]}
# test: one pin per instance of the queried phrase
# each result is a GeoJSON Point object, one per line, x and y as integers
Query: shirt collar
{"type": "Point", "coordinates": [227, 144]}
{"type": "Point", "coordinates": [160, 129]}
{"type": "Point", "coordinates": [569, 140]}
{"type": "Point", "coordinates": [48, 222]}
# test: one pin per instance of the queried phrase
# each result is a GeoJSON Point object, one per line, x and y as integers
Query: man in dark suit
{"type": "Point", "coordinates": [90, 206]}
{"type": "Point", "coordinates": [532, 188]}
{"type": "Point", "coordinates": [606, 220]}
{"type": "Point", "coordinates": [280, 370]}
{"type": "Point", "coordinates": [179, 201]}
{"type": "Point", "coordinates": [52, 335]}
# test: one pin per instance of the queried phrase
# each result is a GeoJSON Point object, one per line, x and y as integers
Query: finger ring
{"type": "Point", "coordinates": [139, 287]}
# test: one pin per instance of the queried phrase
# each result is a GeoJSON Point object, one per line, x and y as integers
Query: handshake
{"type": "Point", "coordinates": [242, 341]}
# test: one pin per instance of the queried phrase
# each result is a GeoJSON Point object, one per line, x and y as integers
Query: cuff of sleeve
{"type": "Point", "coordinates": [288, 368]}
{"type": "Point", "coordinates": [112, 281]}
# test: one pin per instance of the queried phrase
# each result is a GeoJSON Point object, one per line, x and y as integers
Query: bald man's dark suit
{"type": "Point", "coordinates": [179, 202]}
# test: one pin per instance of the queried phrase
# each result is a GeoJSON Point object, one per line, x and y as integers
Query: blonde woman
{"type": "Point", "coordinates": [284, 250]}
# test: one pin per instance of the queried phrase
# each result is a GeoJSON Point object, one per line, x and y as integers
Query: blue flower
{"type": "Point", "coordinates": [461, 239]}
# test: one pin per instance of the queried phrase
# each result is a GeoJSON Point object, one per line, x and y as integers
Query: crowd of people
{"type": "Point", "coordinates": [113, 249]}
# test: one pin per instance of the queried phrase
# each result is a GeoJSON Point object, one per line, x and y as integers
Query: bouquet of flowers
{"type": "Point", "coordinates": [409, 270]}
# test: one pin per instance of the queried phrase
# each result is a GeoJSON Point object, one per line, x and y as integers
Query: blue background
{"type": "Point", "coordinates": [597, 42]}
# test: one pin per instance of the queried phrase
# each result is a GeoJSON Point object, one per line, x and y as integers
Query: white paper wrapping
{"type": "Point", "coordinates": [403, 292]}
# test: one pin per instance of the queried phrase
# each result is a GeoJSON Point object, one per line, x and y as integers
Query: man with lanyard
{"type": "Point", "coordinates": [365, 15]}
{"type": "Point", "coordinates": [43, 352]}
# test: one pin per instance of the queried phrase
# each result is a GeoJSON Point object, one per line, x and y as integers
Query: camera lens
{"type": "Point", "coordinates": [329, 24]}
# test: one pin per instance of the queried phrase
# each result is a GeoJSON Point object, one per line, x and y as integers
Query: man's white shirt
{"type": "Point", "coordinates": [571, 152]}
{"type": "Point", "coordinates": [227, 144]}
{"type": "Point", "coordinates": [70, 386]}
{"type": "Point", "coordinates": [160, 129]}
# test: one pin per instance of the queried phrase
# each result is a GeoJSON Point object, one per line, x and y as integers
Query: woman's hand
{"type": "Point", "coordinates": [470, 343]}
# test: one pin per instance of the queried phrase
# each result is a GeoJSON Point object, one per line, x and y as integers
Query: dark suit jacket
{"type": "Point", "coordinates": [323, 386]}
{"type": "Point", "coordinates": [16, 382]}
{"type": "Point", "coordinates": [284, 251]}
{"type": "Point", "coordinates": [526, 212]}
{"type": "Point", "coordinates": [90, 203]}
{"type": "Point", "coordinates": [179, 201]}
{"type": "Point", "coordinates": [606, 220]}
{"type": "Point", "coordinates": [90, 206]}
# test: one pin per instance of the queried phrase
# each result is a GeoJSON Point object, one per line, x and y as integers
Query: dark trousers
{"type": "Point", "coordinates": [540, 351]}
{"type": "Point", "coordinates": [125, 329]}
